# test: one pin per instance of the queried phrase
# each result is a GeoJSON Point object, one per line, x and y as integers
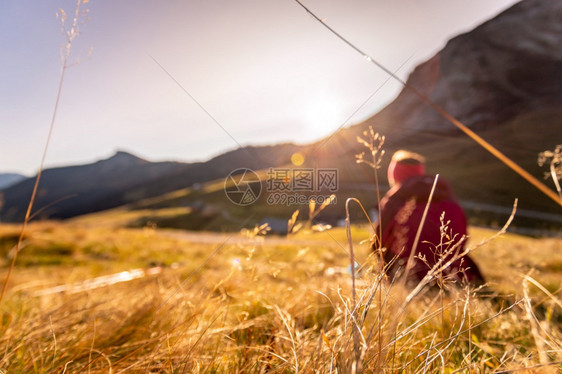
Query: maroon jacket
{"type": "Point", "coordinates": [401, 213]}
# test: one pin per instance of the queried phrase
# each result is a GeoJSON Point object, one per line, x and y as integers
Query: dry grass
{"type": "Point", "coordinates": [260, 307]}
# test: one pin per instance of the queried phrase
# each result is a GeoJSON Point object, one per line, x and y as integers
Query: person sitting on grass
{"type": "Point", "coordinates": [442, 233]}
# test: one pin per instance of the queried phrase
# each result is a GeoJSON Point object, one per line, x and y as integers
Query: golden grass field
{"type": "Point", "coordinates": [92, 296]}
{"type": "Point", "coordinates": [245, 303]}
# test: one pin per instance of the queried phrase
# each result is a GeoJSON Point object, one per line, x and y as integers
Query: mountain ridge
{"type": "Point", "coordinates": [487, 78]}
{"type": "Point", "coordinates": [124, 178]}
{"type": "Point", "coordinates": [8, 179]}
{"type": "Point", "coordinates": [80, 189]}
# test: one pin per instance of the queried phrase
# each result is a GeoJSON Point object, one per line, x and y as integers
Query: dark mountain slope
{"type": "Point", "coordinates": [251, 157]}
{"type": "Point", "coordinates": [69, 191]}
{"type": "Point", "coordinates": [124, 178]}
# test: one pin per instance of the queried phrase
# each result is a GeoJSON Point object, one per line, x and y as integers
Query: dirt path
{"type": "Point", "coordinates": [192, 237]}
{"type": "Point", "coordinates": [236, 238]}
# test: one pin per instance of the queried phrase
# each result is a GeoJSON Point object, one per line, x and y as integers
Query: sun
{"type": "Point", "coordinates": [322, 116]}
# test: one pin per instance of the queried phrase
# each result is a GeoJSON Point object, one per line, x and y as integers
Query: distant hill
{"type": "Point", "coordinates": [73, 190]}
{"type": "Point", "coordinates": [8, 179]}
{"type": "Point", "coordinates": [251, 157]}
{"type": "Point", "coordinates": [123, 178]}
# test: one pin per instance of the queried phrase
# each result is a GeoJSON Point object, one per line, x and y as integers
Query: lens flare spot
{"type": "Point", "coordinates": [297, 159]}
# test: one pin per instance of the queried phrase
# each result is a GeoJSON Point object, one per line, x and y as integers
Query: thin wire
{"type": "Point", "coordinates": [199, 104]}
{"type": "Point", "coordinates": [359, 108]}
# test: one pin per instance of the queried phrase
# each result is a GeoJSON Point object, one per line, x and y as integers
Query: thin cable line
{"type": "Point", "coordinates": [199, 104]}
{"type": "Point", "coordinates": [359, 108]}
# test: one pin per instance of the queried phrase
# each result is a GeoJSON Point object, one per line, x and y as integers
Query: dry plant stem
{"type": "Point", "coordinates": [68, 363]}
{"type": "Point", "coordinates": [469, 332]}
{"type": "Point", "coordinates": [27, 218]}
{"type": "Point", "coordinates": [349, 239]}
{"type": "Point", "coordinates": [555, 158]}
{"type": "Point", "coordinates": [410, 262]}
{"type": "Point", "coordinates": [555, 180]}
{"type": "Point", "coordinates": [483, 143]}
{"type": "Point", "coordinates": [357, 365]}
{"type": "Point", "coordinates": [291, 336]}
{"type": "Point", "coordinates": [440, 266]}
{"type": "Point", "coordinates": [449, 341]}
{"type": "Point", "coordinates": [104, 356]}
{"type": "Point", "coordinates": [529, 368]}
{"type": "Point", "coordinates": [54, 342]}
{"type": "Point", "coordinates": [544, 335]}
{"type": "Point", "coordinates": [351, 254]}
{"type": "Point", "coordinates": [43, 208]}
{"type": "Point", "coordinates": [92, 346]}
{"type": "Point", "coordinates": [355, 332]}
{"type": "Point", "coordinates": [381, 258]}
{"type": "Point", "coordinates": [535, 329]}
{"type": "Point", "coordinates": [541, 287]}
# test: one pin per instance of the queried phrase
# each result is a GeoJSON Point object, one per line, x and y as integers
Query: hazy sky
{"type": "Point", "coordinates": [264, 69]}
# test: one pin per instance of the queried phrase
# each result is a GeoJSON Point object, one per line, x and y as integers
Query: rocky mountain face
{"type": "Point", "coordinates": [504, 81]}
{"type": "Point", "coordinates": [509, 65]}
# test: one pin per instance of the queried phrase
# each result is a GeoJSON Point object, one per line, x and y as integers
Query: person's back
{"type": "Point", "coordinates": [444, 228]}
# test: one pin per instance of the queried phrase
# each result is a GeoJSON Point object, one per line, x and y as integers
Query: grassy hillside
{"type": "Point", "coordinates": [205, 207]}
{"type": "Point", "coordinates": [245, 303]}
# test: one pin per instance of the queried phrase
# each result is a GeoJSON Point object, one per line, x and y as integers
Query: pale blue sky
{"type": "Point", "coordinates": [264, 69]}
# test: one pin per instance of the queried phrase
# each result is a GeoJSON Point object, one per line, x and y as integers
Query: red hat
{"type": "Point", "coordinates": [399, 171]}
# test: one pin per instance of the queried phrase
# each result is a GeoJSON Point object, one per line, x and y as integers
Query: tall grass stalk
{"type": "Point", "coordinates": [65, 57]}
{"type": "Point", "coordinates": [374, 142]}
{"type": "Point", "coordinates": [410, 262]}
{"type": "Point", "coordinates": [355, 327]}
{"type": "Point", "coordinates": [554, 159]}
